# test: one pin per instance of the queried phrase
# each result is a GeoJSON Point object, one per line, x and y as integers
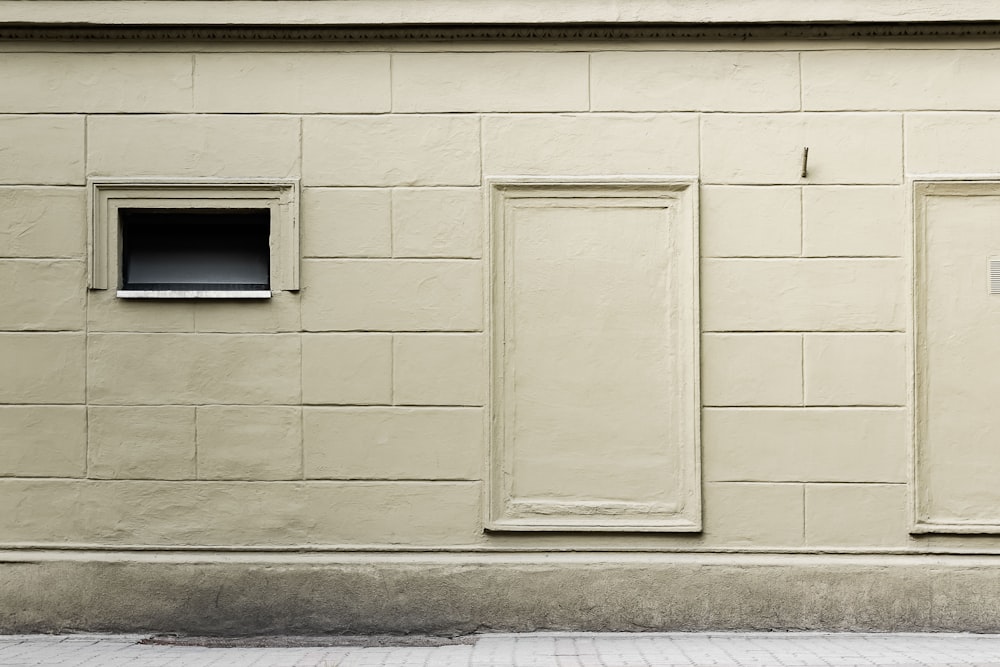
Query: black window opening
{"type": "Point", "coordinates": [214, 250]}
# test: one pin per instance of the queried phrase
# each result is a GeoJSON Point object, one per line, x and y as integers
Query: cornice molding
{"type": "Point", "coordinates": [479, 33]}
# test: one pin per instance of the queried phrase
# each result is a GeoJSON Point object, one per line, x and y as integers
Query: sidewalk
{"type": "Point", "coordinates": [512, 650]}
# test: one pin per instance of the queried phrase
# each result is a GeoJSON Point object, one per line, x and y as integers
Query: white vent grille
{"type": "Point", "coordinates": [994, 275]}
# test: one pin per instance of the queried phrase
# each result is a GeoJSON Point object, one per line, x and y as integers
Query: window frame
{"type": "Point", "coordinates": [109, 195]}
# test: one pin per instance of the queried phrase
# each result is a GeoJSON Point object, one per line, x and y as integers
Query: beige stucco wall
{"type": "Point", "coordinates": [354, 414]}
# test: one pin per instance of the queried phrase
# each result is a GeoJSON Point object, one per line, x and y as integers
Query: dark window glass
{"type": "Point", "coordinates": [195, 249]}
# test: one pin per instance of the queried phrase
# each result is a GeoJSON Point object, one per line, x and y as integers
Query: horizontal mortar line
{"type": "Point", "coordinates": [46, 548]}
{"type": "Point", "coordinates": [801, 481]}
{"type": "Point", "coordinates": [787, 257]}
{"type": "Point", "coordinates": [99, 332]}
{"type": "Point", "coordinates": [434, 480]}
{"type": "Point", "coordinates": [389, 331]}
{"type": "Point", "coordinates": [806, 407]}
{"type": "Point", "coordinates": [383, 406]}
{"type": "Point", "coordinates": [391, 405]}
{"type": "Point", "coordinates": [44, 258]}
{"type": "Point", "coordinates": [30, 186]}
{"type": "Point", "coordinates": [81, 330]}
{"type": "Point", "coordinates": [791, 406]}
{"type": "Point", "coordinates": [790, 183]}
{"type": "Point", "coordinates": [42, 405]}
{"type": "Point", "coordinates": [394, 257]}
{"type": "Point", "coordinates": [194, 405]}
{"type": "Point", "coordinates": [18, 184]}
{"type": "Point", "coordinates": [391, 187]}
{"type": "Point", "coordinates": [497, 113]}
{"type": "Point", "coordinates": [263, 406]}
{"type": "Point", "coordinates": [390, 259]}
{"type": "Point", "coordinates": [298, 481]}
{"type": "Point", "coordinates": [804, 258]}
{"type": "Point", "coordinates": [800, 331]}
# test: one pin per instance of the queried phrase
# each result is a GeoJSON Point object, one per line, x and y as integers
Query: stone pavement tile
{"type": "Point", "coordinates": [531, 650]}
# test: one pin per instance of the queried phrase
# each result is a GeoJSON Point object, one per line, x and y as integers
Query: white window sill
{"type": "Point", "coordinates": [194, 294]}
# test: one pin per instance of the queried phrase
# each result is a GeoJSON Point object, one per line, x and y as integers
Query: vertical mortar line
{"type": "Point", "coordinates": [802, 367]}
{"type": "Point", "coordinates": [86, 313]}
{"type": "Point", "coordinates": [590, 86]}
{"type": "Point", "coordinates": [302, 410]}
{"type": "Point", "coordinates": [193, 61]}
{"type": "Point", "coordinates": [392, 369]}
{"type": "Point", "coordinates": [302, 123]}
{"type": "Point", "coordinates": [802, 221]}
{"type": "Point", "coordinates": [801, 84]}
{"type": "Point", "coordinates": [902, 150]}
{"type": "Point", "coordinates": [804, 513]}
{"type": "Point", "coordinates": [196, 475]}
{"type": "Point", "coordinates": [482, 154]}
{"type": "Point", "coordinates": [392, 93]}
{"type": "Point", "coordinates": [392, 222]}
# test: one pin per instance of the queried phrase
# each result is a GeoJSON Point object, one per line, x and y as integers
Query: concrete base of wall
{"type": "Point", "coordinates": [443, 593]}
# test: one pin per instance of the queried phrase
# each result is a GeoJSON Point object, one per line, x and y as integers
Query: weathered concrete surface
{"type": "Point", "coordinates": [439, 593]}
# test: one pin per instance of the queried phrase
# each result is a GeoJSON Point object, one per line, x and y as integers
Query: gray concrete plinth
{"type": "Point", "coordinates": [293, 593]}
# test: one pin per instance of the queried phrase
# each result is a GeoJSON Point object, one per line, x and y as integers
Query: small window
{"type": "Point", "coordinates": [195, 250]}
{"type": "Point", "coordinates": [166, 239]}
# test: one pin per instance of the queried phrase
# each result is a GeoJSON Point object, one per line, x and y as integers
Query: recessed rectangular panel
{"type": "Point", "coordinates": [595, 406]}
{"type": "Point", "coordinates": [957, 358]}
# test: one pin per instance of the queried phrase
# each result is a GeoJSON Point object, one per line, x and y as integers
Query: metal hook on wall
{"type": "Point", "coordinates": [805, 162]}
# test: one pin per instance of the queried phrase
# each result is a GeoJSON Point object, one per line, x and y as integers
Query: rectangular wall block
{"type": "Point", "coordinates": [249, 442]}
{"type": "Point", "coordinates": [42, 295]}
{"type": "Point", "coordinates": [767, 148]}
{"type": "Point", "coordinates": [743, 514]}
{"type": "Point", "coordinates": [141, 442]}
{"type": "Point", "coordinates": [860, 515]}
{"type": "Point", "coordinates": [165, 513]}
{"type": "Point", "coordinates": [42, 367]}
{"type": "Point", "coordinates": [439, 369]}
{"type": "Point", "coordinates": [751, 369]}
{"type": "Point", "coordinates": [451, 82]}
{"type": "Point", "coordinates": [43, 441]}
{"type": "Point", "coordinates": [394, 443]}
{"type": "Point", "coordinates": [694, 81]}
{"type": "Point", "coordinates": [347, 222]}
{"type": "Point", "coordinates": [294, 82]}
{"type": "Point", "coordinates": [952, 143]}
{"type": "Point", "coordinates": [43, 222]}
{"type": "Point", "coordinates": [437, 222]}
{"type": "Point", "coordinates": [349, 369]}
{"type": "Point", "coordinates": [802, 295]}
{"type": "Point", "coordinates": [740, 221]}
{"type": "Point", "coordinates": [193, 369]}
{"type": "Point", "coordinates": [845, 221]}
{"type": "Point", "coordinates": [855, 369]}
{"type": "Point", "coordinates": [390, 150]}
{"type": "Point", "coordinates": [903, 79]}
{"type": "Point", "coordinates": [193, 146]}
{"type": "Point", "coordinates": [42, 150]}
{"type": "Point", "coordinates": [95, 82]}
{"type": "Point", "coordinates": [392, 295]}
{"type": "Point", "coordinates": [590, 144]}
{"type": "Point", "coordinates": [805, 445]}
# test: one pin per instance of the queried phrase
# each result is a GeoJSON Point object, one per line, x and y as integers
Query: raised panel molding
{"type": "Point", "coordinates": [594, 355]}
{"type": "Point", "coordinates": [956, 316]}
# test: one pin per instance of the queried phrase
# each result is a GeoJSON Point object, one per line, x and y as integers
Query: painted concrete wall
{"type": "Point", "coordinates": [355, 413]}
